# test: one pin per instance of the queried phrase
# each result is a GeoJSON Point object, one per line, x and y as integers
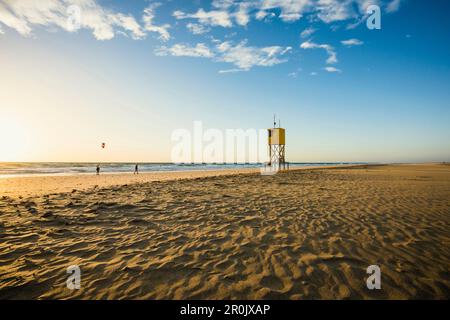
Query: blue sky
{"type": "Point", "coordinates": [135, 71]}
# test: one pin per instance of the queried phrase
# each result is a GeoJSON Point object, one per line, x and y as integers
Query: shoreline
{"type": "Point", "coordinates": [107, 168]}
{"type": "Point", "coordinates": [51, 184]}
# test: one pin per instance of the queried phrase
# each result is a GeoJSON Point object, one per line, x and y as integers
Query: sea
{"type": "Point", "coordinates": [25, 169]}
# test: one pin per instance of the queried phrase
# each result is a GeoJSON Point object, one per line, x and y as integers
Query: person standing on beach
{"type": "Point", "coordinates": [136, 169]}
{"type": "Point", "coordinates": [98, 169]}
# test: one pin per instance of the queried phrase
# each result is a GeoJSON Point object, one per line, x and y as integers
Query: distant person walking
{"type": "Point", "coordinates": [98, 169]}
{"type": "Point", "coordinates": [136, 169]}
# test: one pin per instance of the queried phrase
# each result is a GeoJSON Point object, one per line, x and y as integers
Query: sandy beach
{"type": "Point", "coordinates": [302, 234]}
{"type": "Point", "coordinates": [43, 185]}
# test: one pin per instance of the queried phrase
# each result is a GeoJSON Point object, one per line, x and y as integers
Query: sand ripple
{"type": "Point", "coordinates": [297, 235]}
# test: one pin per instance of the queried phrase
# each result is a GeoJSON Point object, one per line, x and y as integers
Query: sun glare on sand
{"type": "Point", "coordinates": [13, 140]}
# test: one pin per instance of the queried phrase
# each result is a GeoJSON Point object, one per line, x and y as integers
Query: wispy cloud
{"type": "Point", "coordinates": [333, 10]}
{"type": "Point", "coordinates": [246, 57]}
{"type": "Point", "coordinates": [289, 10]}
{"type": "Point", "coordinates": [226, 12]}
{"type": "Point", "coordinates": [183, 50]}
{"type": "Point", "coordinates": [197, 28]}
{"type": "Point", "coordinates": [211, 18]}
{"type": "Point", "coordinates": [332, 56]}
{"type": "Point", "coordinates": [294, 74]}
{"type": "Point", "coordinates": [242, 56]}
{"type": "Point", "coordinates": [11, 19]}
{"type": "Point", "coordinates": [128, 23]}
{"type": "Point", "coordinates": [222, 16]}
{"type": "Point", "coordinates": [332, 70]}
{"type": "Point", "coordinates": [242, 15]}
{"type": "Point", "coordinates": [307, 32]}
{"type": "Point", "coordinates": [352, 42]}
{"type": "Point", "coordinates": [231, 71]}
{"type": "Point", "coordinates": [23, 16]}
{"type": "Point", "coordinates": [262, 15]}
{"type": "Point", "coordinates": [148, 18]}
{"type": "Point", "coordinates": [393, 6]}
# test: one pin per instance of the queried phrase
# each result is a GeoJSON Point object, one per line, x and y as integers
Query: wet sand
{"type": "Point", "coordinates": [302, 234]}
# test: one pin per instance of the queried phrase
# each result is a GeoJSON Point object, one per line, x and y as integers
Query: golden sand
{"type": "Point", "coordinates": [303, 234]}
{"type": "Point", "coordinates": [41, 185]}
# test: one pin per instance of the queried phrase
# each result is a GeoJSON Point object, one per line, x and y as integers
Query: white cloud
{"type": "Point", "coordinates": [328, 11]}
{"type": "Point", "coordinates": [325, 10]}
{"type": "Point", "coordinates": [294, 74]}
{"type": "Point", "coordinates": [362, 16]}
{"type": "Point", "coordinates": [291, 10]}
{"type": "Point", "coordinates": [11, 21]}
{"type": "Point", "coordinates": [223, 4]}
{"type": "Point", "coordinates": [129, 23]}
{"type": "Point", "coordinates": [182, 50]}
{"type": "Point", "coordinates": [242, 56]}
{"type": "Point", "coordinates": [364, 4]}
{"type": "Point", "coordinates": [332, 56]}
{"type": "Point", "coordinates": [19, 15]}
{"type": "Point", "coordinates": [332, 10]}
{"type": "Point", "coordinates": [352, 42]}
{"type": "Point", "coordinates": [226, 12]}
{"type": "Point", "coordinates": [307, 32]}
{"type": "Point", "coordinates": [242, 17]}
{"type": "Point", "coordinates": [197, 28]}
{"type": "Point", "coordinates": [211, 18]}
{"type": "Point", "coordinates": [260, 15]}
{"type": "Point", "coordinates": [332, 70]}
{"type": "Point", "coordinates": [393, 6]}
{"type": "Point", "coordinates": [24, 15]}
{"type": "Point", "coordinates": [231, 70]}
{"type": "Point", "coordinates": [148, 17]}
{"type": "Point", "coordinates": [246, 57]}
{"type": "Point", "coordinates": [313, 73]}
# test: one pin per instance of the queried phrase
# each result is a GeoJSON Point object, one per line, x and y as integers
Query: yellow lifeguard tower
{"type": "Point", "coordinates": [277, 146]}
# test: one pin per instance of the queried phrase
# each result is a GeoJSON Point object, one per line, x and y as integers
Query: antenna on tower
{"type": "Point", "coordinates": [274, 121]}
{"type": "Point", "coordinates": [279, 123]}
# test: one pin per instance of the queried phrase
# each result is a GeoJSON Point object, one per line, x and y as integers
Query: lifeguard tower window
{"type": "Point", "coordinates": [276, 136]}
